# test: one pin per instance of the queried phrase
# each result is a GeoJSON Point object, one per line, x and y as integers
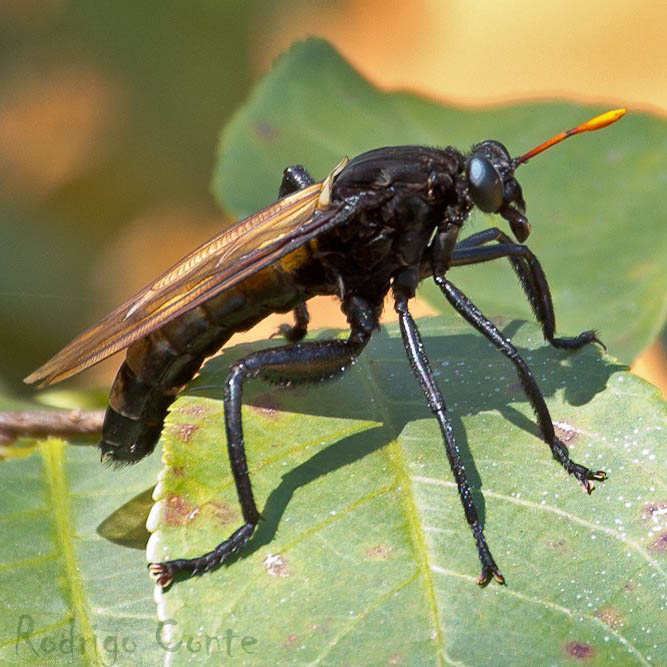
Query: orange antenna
{"type": "Point", "coordinates": [596, 123]}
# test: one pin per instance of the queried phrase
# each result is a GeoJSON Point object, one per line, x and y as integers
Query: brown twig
{"type": "Point", "coordinates": [49, 422]}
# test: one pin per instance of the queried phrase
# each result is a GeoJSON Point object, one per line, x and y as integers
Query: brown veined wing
{"type": "Point", "coordinates": [248, 246]}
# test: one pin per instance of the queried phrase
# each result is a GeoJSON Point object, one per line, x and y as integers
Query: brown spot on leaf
{"type": "Point", "coordinates": [629, 587]}
{"type": "Point", "coordinates": [265, 131]}
{"type": "Point", "coordinates": [566, 433]}
{"type": "Point", "coordinates": [611, 617]}
{"type": "Point", "coordinates": [224, 512]}
{"type": "Point", "coordinates": [660, 545]}
{"type": "Point", "coordinates": [290, 639]}
{"type": "Point", "coordinates": [177, 471]}
{"type": "Point", "coordinates": [559, 545]}
{"type": "Point", "coordinates": [276, 566]}
{"type": "Point", "coordinates": [379, 552]}
{"type": "Point", "coordinates": [651, 511]}
{"type": "Point", "coordinates": [580, 651]}
{"type": "Point", "coordinates": [395, 659]}
{"type": "Point", "coordinates": [264, 412]}
{"type": "Point", "coordinates": [499, 321]}
{"type": "Point", "coordinates": [185, 431]}
{"type": "Point", "coordinates": [179, 511]}
{"type": "Point", "coordinates": [195, 409]}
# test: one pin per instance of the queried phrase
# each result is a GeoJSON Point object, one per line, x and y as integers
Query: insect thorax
{"type": "Point", "coordinates": [399, 195]}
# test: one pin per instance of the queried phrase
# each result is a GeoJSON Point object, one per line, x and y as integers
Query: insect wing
{"type": "Point", "coordinates": [250, 245]}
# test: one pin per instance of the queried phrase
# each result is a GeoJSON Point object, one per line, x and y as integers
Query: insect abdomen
{"type": "Point", "coordinates": [157, 366]}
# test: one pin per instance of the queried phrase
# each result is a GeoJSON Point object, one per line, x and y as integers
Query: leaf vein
{"type": "Point", "coordinates": [52, 453]}
{"type": "Point", "coordinates": [560, 512]}
{"type": "Point", "coordinates": [357, 618]}
{"type": "Point", "coordinates": [554, 607]}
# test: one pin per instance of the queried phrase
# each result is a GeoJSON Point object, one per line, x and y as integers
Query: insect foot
{"type": "Point", "coordinates": [164, 573]}
{"type": "Point", "coordinates": [489, 568]}
{"type": "Point", "coordinates": [490, 572]}
{"type": "Point", "coordinates": [584, 338]}
{"type": "Point", "coordinates": [585, 476]}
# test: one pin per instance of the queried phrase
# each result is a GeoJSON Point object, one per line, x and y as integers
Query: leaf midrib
{"type": "Point", "coordinates": [53, 457]}
{"type": "Point", "coordinates": [395, 456]}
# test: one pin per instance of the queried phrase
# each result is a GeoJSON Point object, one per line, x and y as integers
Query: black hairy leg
{"type": "Point", "coordinates": [473, 316]}
{"type": "Point", "coordinates": [472, 250]}
{"type": "Point", "coordinates": [299, 362]}
{"type": "Point", "coordinates": [422, 369]}
{"type": "Point", "coordinates": [293, 333]}
{"type": "Point", "coordinates": [295, 178]}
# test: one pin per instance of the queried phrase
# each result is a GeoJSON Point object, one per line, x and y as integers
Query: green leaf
{"type": "Point", "coordinates": [73, 582]}
{"type": "Point", "coordinates": [364, 555]}
{"type": "Point", "coordinates": [596, 202]}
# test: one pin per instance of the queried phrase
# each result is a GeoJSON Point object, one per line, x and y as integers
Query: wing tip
{"type": "Point", "coordinates": [46, 375]}
{"type": "Point", "coordinates": [38, 378]}
{"type": "Point", "coordinates": [32, 378]}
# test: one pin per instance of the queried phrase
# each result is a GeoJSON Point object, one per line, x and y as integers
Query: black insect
{"type": "Point", "coordinates": [383, 221]}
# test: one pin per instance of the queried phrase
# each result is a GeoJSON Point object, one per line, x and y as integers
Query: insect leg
{"type": "Point", "coordinates": [531, 276]}
{"type": "Point", "coordinates": [422, 369]}
{"type": "Point", "coordinates": [293, 333]}
{"type": "Point", "coordinates": [310, 361]}
{"type": "Point", "coordinates": [472, 315]}
{"type": "Point", "coordinates": [295, 178]}
{"type": "Point", "coordinates": [485, 236]}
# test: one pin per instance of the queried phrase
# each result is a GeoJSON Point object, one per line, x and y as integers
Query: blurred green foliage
{"type": "Point", "coordinates": [167, 75]}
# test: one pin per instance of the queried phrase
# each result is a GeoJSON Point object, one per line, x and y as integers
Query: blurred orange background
{"type": "Point", "coordinates": [485, 52]}
{"type": "Point", "coordinates": [109, 121]}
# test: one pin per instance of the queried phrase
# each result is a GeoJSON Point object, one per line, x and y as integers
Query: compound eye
{"type": "Point", "coordinates": [484, 184]}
